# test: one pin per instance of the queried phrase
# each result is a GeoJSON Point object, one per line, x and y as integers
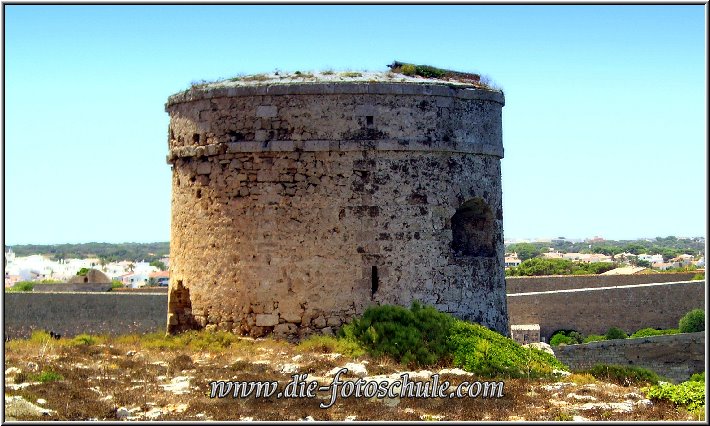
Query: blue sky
{"type": "Point", "coordinates": [604, 126]}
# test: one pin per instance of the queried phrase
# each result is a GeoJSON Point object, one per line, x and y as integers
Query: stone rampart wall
{"type": "Point", "coordinates": [594, 311]}
{"type": "Point", "coordinates": [70, 314]}
{"type": "Point", "coordinates": [73, 287]}
{"type": "Point", "coordinates": [674, 357]}
{"type": "Point", "coordinates": [558, 282]}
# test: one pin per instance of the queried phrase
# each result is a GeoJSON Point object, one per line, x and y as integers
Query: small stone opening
{"type": "Point", "coordinates": [235, 136]}
{"type": "Point", "coordinates": [369, 120]}
{"type": "Point", "coordinates": [375, 280]}
{"type": "Point", "coordinates": [472, 228]}
{"type": "Point", "coordinates": [196, 137]}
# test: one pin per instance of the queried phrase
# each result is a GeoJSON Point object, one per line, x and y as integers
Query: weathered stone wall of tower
{"type": "Point", "coordinates": [295, 207]}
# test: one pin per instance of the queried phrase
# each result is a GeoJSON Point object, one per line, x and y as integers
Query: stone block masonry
{"type": "Point", "coordinates": [72, 313]}
{"type": "Point", "coordinates": [674, 357]}
{"type": "Point", "coordinates": [568, 282]}
{"type": "Point", "coordinates": [295, 207]}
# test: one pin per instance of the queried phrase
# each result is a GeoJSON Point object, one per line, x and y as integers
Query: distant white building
{"type": "Point", "coordinates": [135, 280]}
{"type": "Point", "coordinates": [663, 266]}
{"type": "Point", "coordinates": [683, 260]}
{"type": "Point", "coordinates": [624, 257]}
{"type": "Point", "coordinates": [512, 260]}
{"type": "Point", "coordinates": [553, 255]}
{"type": "Point", "coordinates": [651, 258]}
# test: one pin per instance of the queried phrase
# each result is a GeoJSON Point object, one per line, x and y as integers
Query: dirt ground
{"type": "Point", "coordinates": [123, 379]}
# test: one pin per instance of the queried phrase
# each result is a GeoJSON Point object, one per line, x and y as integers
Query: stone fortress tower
{"type": "Point", "coordinates": [300, 200]}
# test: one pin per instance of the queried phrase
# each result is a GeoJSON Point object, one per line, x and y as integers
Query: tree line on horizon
{"type": "Point", "coordinates": [108, 252]}
{"type": "Point", "coordinates": [669, 247]}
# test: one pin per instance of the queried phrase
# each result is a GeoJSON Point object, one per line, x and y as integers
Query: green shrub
{"type": "Point", "coordinates": [647, 332]}
{"type": "Point", "coordinates": [698, 276]}
{"type": "Point", "coordinates": [697, 377]}
{"type": "Point", "coordinates": [567, 337]}
{"type": "Point", "coordinates": [560, 338]}
{"type": "Point", "coordinates": [408, 69]}
{"type": "Point", "coordinates": [351, 74]}
{"type": "Point", "coordinates": [429, 71]}
{"type": "Point", "coordinates": [690, 394]}
{"type": "Point", "coordinates": [40, 336]}
{"type": "Point", "coordinates": [116, 284]}
{"type": "Point", "coordinates": [487, 353]}
{"type": "Point", "coordinates": [22, 286]}
{"type": "Point", "coordinates": [615, 333]}
{"type": "Point", "coordinates": [424, 336]}
{"type": "Point", "coordinates": [692, 322]}
{"type": "Point", "coordinates": [624, 375]}
{"type": "Point", "coordinates": [45, 376]}
{"type": "Point", "coordinates": [48, 376]}
{"type": "Point", "coordinates": [594, 338]}
{"type": "Point", "coordinates": [417, 335]}
{"type": "Point", "coordinates": [85, 339]}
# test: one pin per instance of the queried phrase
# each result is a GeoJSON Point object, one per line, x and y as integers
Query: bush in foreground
{"type": "Point", "coordinates": [423, 336]}
{"type": "Point", "coordinates": [482, 351]}
{"type": "Point", "coordinates": [418, 335]}
{"type": "Point", "coordinates": [690, 394]}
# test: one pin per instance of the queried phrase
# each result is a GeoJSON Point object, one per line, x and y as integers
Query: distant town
{"type": "Point", "coordinates": [561, 256]}
{"type": "Point", "coordinates": [137, 265]}
{"type": "Point", "coordinates": [41, 269]}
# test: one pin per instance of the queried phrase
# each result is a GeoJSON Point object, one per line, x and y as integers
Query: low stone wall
{"type": "Point", "coordinates": [70, 314]}
{"type": "Point", "coordinates": [594, 311]}
{"type": "Point", "coordinates": [568, 282]}
{"type": "Point", "coordinates": [72, 287]}
{"type": "Point", "coordinates": [157, 290]}
{"type": "Point", "coordinates": [675, 357]}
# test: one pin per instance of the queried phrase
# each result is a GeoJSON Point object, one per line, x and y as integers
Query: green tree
{"type": "Point", "coordinates": [82, 272]}
{"type": "Point", "coordinates": [525, 251]}
{"type": "Point", "coordinates": [642, 263]}
{"type": "Point", "coordinates": [158, 264]}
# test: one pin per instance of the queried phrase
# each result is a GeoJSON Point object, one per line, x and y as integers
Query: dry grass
{"type": "Point", "coordinates": [136, 372]}
{"type": "Point", "coordinates": [581, 378]}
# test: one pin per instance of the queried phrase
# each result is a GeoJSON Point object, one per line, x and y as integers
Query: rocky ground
{"type": "Point", "coordinates": [124, 379]}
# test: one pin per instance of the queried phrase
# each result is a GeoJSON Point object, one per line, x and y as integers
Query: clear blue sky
{"type": "Point", "coordinates": [604, 126]}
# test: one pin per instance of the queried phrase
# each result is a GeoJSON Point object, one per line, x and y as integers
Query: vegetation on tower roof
{"type": "Point", "coordinates": [428, 71]}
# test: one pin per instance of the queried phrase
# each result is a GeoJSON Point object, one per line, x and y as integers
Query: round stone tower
{"type": "Point", "coordinates": [299, 202]}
